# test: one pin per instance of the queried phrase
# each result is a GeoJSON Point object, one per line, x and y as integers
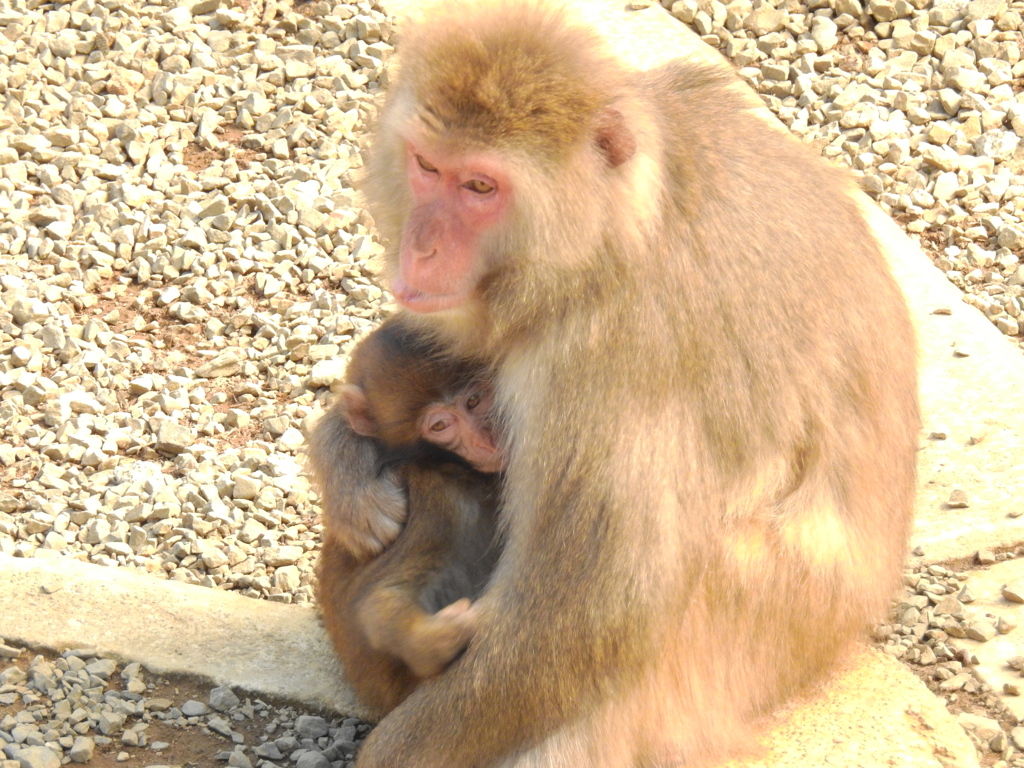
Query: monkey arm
{"type": "Point", "coordinates": [363, 508]}
{"type": "Point", "coordinates": [394, 610]}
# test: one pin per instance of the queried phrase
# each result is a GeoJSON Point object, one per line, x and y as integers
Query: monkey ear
{"type": "Point", "coordinates": [357, 408]}
{"type": "Point", "coordinates": [616, 142]}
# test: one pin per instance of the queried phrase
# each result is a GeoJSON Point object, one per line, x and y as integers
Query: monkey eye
{"type": "Point", "coordinates": [440, 425]}
{"type": "Point", "coordinates": [473, 401]}
{"type": "Point", "coordinates": [425, 165]}
{"type": "Point", "coordinates": [479, 186]}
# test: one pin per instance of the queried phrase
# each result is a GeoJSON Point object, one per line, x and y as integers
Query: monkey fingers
{"type": "Point", "coordinates": [436, 640]}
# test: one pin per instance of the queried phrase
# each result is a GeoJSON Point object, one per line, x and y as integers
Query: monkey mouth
{"type": "Point", "coordinates": [424, 303]}
{"type": "Point", "coordinates": [488, 459]}
{"type": "Point", "coordinates": [489, 456]}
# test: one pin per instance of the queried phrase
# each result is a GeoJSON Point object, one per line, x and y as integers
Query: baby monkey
{"type": "Point", "coordinates": [405, 614]}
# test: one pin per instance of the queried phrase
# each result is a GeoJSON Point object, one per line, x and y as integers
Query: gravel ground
{"type": "Point", "coordinates": [184, 264]}
{"type": "Point", "coordinates": [86, 709]}
{"type": "Point", "coordinates": [923, 630]}
{"type": "Point", "coordinates": [921, 99]}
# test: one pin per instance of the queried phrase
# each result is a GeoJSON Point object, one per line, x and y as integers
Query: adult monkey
{"type": "Point", "coordinates": [707, 382]}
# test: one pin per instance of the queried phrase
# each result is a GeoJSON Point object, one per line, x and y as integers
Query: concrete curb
{"type": "Point", "coordinates": [173, 628]}
{"type": "Point", "coordinates": [870, 708]}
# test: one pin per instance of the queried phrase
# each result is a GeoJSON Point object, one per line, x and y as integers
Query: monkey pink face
{"type": "Point", "coordinates": [463, 427]}
{"type": "Point", "coordinates": [457, 199]}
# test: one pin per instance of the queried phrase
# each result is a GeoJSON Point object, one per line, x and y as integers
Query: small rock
{"type": "Point", "coordinates": [1000, 145]}
{"type": "Point", "coordinates": [9, 652]}
{"type": "Point", "coordinates": [37, 757]}
{"type": "Point", "coordinates": [1008, 325]}
{"type": "Point", "coordinates": [984, 9]}
{"type": "Point", "coordinates": [195, 238]}
{"type": "Point", "coordinates": [111, 722]}
{"type": "Point", "coordinates": [953, 628]}
{"type": "Point", "coordinates": [223, 699]}
{"type": "Point", "coordinates": [173, 437]}
{"type": "Point", "coordinates": [765, 20]}
{"type": "Point", "coordinates": [213, 557]}
{"type": "Point", "coordinates": [102, 668]}
{"type": "Point", "coordinates": [291, 439]}
{"type": "Point", "coordinates": [312, 759]}
{"type": "Point", "coordinates": [326, 372]}
{"type": "Point", "coordinates": [82, 750]}
{"type": "Point", "coordinates": [1017, 737]}
{"type": "Point", "coordinates": [983, 727]}
{"type": "Point", "coordinates": [287, 744]}
{"type": "Point", "coordinates": [882, 10]}
{"type": "Point", "coordinates": [221, 726]}
{"type": "Point", "coordinates": [193, 708]}
{"type": "Point", "coordinates": [1013, 592]}
{"type": "Point", "coordinates": [982, 631]}
{"type": "Point", "coordinates": [956, 682]}
{"type": "Point", "coordinates": [985, 557]}
{"type": "Point", "coordinates": [246, 487]}
{"type": "Point", "coordinates": [311, 727]}
{"type": "Point", "coordinates": [825, 33]}
{"type": "Point", "coordinates": [957, 499]}
{"type": "Point", "coordinates": [946, 185]}
{"type": "Point", "coordinates": [269, 751]}
{"type": "Point", "coordinates": [227, 363]}
{"type": "Point", "coordinates": [948, 606]}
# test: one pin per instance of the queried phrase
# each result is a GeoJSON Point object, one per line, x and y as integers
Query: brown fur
{"type": "Point", "coordinates": [363, 508]}
{"type": "Point", "coordinates": [401, 372]}
{"type": "Point", "coordinates": [403, 615]}
{"type": "Point", "coordinates": [707, 379]}
{"type": "Point", "coordinates": [381, 615]}
{"type": "Point", "coordinates": [472, 92]}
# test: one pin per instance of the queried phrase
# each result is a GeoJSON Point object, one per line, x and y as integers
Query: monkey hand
{"type": "Point", "coordinates": [366, 517]}
{"type": "Point", "coordinates": [437, 639]}
{"type": "Point", "coordinates": [363, 509]}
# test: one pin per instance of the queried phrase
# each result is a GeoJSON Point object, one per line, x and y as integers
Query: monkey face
{"type": "Point", "coordinates": [462, 425]}
{"type": "Point", "coordinates": [457, 199]}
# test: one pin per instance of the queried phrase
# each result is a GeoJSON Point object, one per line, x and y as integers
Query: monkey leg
{"type": "Point", "coordinates": [381, 680]}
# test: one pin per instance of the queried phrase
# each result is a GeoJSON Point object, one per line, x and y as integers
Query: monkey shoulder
{"type": "Point", "coordinates": [713, 127]}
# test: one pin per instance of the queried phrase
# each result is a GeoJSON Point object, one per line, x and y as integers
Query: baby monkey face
{"type": "Point", "coordinates": [462, 424]}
